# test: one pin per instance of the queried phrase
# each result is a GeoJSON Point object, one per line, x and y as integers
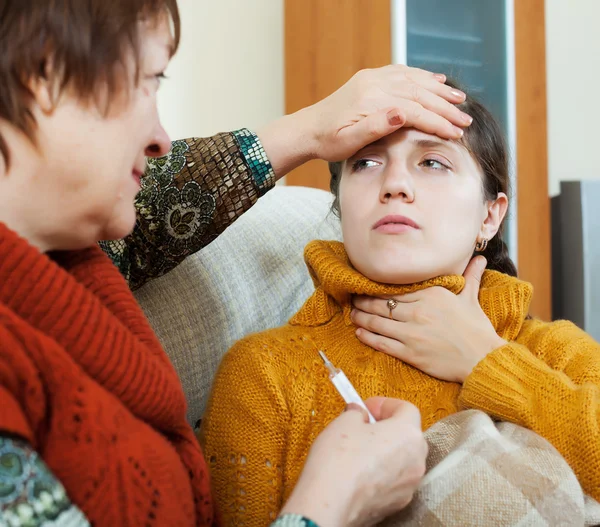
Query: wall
{"type": "Point", "coordinates": [228, 72]}
{"type": "Point", "coordinates": [573, 74]}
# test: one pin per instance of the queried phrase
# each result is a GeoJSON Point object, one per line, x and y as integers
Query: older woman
{"type": "Point", "coordinates": [202, 185]}
{"type": "Point", "coordinates": [92, 416]}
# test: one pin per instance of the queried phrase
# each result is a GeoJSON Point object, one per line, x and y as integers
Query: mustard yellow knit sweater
{"type": "Point", "coordinates": [272, 395]}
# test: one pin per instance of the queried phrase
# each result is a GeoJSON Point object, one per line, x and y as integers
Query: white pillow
{"type": "Point", "coordinates": [251, 278]}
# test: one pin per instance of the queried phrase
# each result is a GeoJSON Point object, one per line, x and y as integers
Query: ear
{"type": "Point", "coordinates": [496, 210]}
{"type": "Point", "coordinates": [44, 88]}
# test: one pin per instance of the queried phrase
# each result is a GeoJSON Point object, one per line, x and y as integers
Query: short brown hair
{"type": "Point", "coordinates": [87, 41]}
{"type": "Point", "coordinates": [485, 142]}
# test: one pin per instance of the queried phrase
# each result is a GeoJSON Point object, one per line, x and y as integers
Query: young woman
{"type": "Point", "coordinates": [415, 209]}
{"type": "Point", "coordinates": [92, 416]}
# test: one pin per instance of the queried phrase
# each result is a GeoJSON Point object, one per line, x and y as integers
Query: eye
{"type": "Point", "coordinates": [362, 164]}
{"type": "Point", "coordinates": [434, 164]}
{"type": "Point", "coordinates": [158, 77]}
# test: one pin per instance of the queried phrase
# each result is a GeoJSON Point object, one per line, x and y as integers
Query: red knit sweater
{"type": "Point", "coordinates": [84, 380]}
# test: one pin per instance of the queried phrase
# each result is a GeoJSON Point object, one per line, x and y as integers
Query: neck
{"type": "Point", "coordinates": [16, 215]}
{"type": "Point", "coordinates": [504, 299]}
{"type": "Point", "coordinates": [26, 234]}
{"type": "Point", "coordinates": [21, 216]}
{"type": "Point", "coordinates": [20, 208]}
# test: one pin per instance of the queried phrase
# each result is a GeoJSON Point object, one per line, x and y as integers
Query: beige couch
{"type": "Point", "coordinates": [251, 278]}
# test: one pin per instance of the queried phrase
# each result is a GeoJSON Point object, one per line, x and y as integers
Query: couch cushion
{"type": "Point", "coordinates": [251, 278]}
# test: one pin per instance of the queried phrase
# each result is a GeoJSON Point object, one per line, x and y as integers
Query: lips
{"type": "Point", "coordinates": [393, 223]}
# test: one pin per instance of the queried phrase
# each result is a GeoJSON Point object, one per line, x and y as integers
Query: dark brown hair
{"type": "Point", "coordinates": [86, 40]}
{"type": "Point", "coordinates": [485, 141]}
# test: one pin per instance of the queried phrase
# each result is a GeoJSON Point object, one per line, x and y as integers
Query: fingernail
{"type": "Point", "coordinates": [394, 118]}
{"type": "Point", "coordinates": [439, 76]}
{"type": "Point", "coordinates": [459, 131]}
{"type": "Point", "coordinates": [458, 93]}
{"type": "Point", "coordinates": [466, 118]}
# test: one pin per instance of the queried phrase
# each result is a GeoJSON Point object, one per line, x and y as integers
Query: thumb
{"type": "Point", "coordinates": [374, 126]}
{"type": "Point", "coordinates": [472, 275]}
{"type": "Point", "coordinates": [383, 408]}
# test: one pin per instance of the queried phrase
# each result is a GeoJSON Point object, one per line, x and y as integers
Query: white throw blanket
{"type": "Point", "coordinates": [486, 473]}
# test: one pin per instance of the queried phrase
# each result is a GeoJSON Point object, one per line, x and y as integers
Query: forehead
{"type": "Point", "coordinates": [157, 38]}
{"type": "Point", "coordinates": [415, 137]}
{"type": "Point", "coordinates": [407, 140]}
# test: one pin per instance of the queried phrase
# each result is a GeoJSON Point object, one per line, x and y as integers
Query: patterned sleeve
{"type": "Point", "coordinates": [30, 495]}
{"type": "Point", "coordinates": [293, 520]}
{"type": "Point", "coordinates": [188, 198]}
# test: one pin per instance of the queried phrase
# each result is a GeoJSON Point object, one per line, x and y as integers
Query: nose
{"type": "Point", "coordinates": [397, 183]}
{"type": "Point", "coordinates": [160, 145]}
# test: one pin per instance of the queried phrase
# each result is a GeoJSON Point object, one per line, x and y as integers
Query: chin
{"type": "Point", "coordinates": [119, 227]}
{"type": "Point", "coordinates": [395, 277]}
{"type": "Point", "coordinates": [396, 270]}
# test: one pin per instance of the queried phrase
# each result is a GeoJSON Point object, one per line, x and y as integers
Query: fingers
{"type": "Point", "coordinates": [406, 113]}
{"type": "Point", "coordinates": [450, 94]}
{"type": "Point", "coordinates": [439, 105]}
{"type": "Point", "coordinates": [387, 345]}
{"type": "Point", "coordinates": [378, 320]}
{"type": "Point", "coordinates": [379, 306]}
{"type": "Point", "coordinates": [435, 82]}
{"type": "Point", "coordinates": [473, 274]}
{"type": "Point", "coordinates": [353, 407]}
{"type": "Point", "coordinates": [384, 408]}
{"type": "Point", "coordinates": [430, 122]}
{"type": "Point", "coordinates": [373, 127]}
{"type": "Point", "coordinates": [429, 91]}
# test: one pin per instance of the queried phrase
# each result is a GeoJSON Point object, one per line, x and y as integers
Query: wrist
{"type": "Point", "coordinates": [289, 141]}
{"type": "Point", "coordinates": [305, 134]}
{"type": "Point", "coordinates": [328, 504]}
{"type": "Point", "coordinates": [489, 345]}
{"type": "Point", "coordinates": [495, 343]}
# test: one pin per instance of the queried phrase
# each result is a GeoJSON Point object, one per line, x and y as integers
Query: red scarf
{"type": "Point", "coordinates": [84, 380]}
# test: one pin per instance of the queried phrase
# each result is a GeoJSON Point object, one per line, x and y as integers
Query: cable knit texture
{"type": "Point", "coordinates": [84, 380]}
{"type": "Point", "coordinates": [272, 395]}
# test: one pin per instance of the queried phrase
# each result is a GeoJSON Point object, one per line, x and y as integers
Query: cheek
{"type": "Point", "coordinates": [353, 208]}
{"type": "Point", "coordinates": [459, 216]}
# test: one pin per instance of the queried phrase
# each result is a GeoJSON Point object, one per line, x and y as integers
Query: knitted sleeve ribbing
{"type": "Point", "coordinates": [547, 381]}
{"type": "Point", "coordinates": [29, 493]}
{"type": "Point", "coordinates": [244, 434]}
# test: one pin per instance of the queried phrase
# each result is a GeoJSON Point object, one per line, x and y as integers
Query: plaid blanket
{"type": "Point", "coordinates": [486, 473]}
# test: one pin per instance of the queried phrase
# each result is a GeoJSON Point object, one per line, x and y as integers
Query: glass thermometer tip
{"type": "Point", "coordinates": [332, 369]}
{"type": "Point", "coordinates": [344, 386]}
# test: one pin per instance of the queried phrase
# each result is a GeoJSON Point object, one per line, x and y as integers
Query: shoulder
{"type": "Point", "coordinates": [277, 350]}
{"type": "Point", "coordinates": [258, 369]}
{"type": "Point", "coordinates": [562, 331]}
{"type": "Point", "coordinates": [563, 346]}
{"type": "Point", "coordinates": [15, 333]}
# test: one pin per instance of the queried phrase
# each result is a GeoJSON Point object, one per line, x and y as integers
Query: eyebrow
{"type": "Point", "coordinates": [377, 144]}
{"type": "Point", "coordinates": [432, 143]}
{"type": "Point", "coordinates": [420, 143]}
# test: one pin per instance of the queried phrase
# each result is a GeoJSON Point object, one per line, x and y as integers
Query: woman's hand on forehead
{"type": "Point", "coordinates": [377, 102]}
